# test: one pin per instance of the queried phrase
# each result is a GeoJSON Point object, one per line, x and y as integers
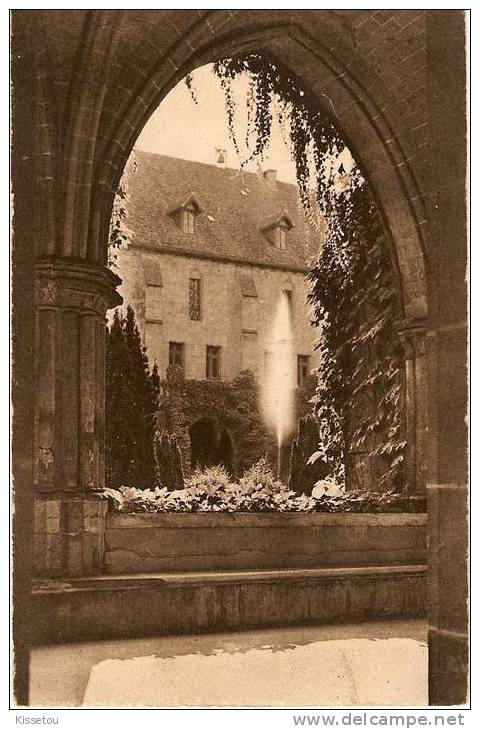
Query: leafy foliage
{"type": "Point", "coordinates": [211, 490]}
{"type": "Point", "coordinates": [359, 402]}
{"type": "Point", "coordinates": [120, 233]}
{"type": "Point", "coordinates": [312, 135]}
{"type": "Point", "coordinates": [131, 401]}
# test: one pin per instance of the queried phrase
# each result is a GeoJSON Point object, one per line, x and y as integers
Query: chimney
{"type": "Point", "coordinates": [270, 176]}
{"type": "Point", "coordinates": [220, 157]}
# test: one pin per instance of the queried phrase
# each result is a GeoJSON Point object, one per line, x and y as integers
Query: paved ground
{"type": "Point", "coordinates": [373, 664]}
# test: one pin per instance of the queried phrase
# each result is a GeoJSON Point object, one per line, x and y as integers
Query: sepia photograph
{"type": "Point", "coordinates": [239, 359]}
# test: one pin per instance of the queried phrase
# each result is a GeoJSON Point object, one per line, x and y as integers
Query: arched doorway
{"type": "Point", "coordinates": [211, 445]}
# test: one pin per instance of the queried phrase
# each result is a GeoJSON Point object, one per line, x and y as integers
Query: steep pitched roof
{"type": "Point", "coordinates": [234, 210]}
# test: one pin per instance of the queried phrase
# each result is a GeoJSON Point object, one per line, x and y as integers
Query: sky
{"type": "Point", "coordinates": [182, 128]}
{"type": "Point", "coordinates": [194, 128]}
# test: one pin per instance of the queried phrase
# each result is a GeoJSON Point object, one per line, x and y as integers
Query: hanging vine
{"type": "Point", "coordinates": [359, 400]}
{"type": "Point", "coordinates": [119, 233]}
{"type": "Point", "coordinates": [189, 84]}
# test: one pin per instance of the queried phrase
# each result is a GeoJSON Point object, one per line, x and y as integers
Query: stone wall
{"type": "Point", "coordinates": [192, 542]}
{"type": "Point", "coordinates": [129, 606]}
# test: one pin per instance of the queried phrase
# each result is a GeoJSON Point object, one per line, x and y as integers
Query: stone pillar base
{"type": "Point", "coordinates": [448, 594]}
{"type": "Point", "coordinates": [447, 668]}
{"type": "Point", "coordinates": [69, 534]}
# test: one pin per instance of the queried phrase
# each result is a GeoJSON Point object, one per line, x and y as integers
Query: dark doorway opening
{"type": "Point", "coordinates": [211, 445]}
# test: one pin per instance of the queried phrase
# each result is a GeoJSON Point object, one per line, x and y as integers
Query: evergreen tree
{"type": "Point", "coordinates": [155, 384]}
{"type": "Point", "coordinates": [118, 405]}
{"type": "Point", "coordinates": [131, 404]}
{"type": "Point", "coordinates": [168, 460]}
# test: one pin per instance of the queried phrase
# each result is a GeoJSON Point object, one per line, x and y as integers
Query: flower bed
{"type": "Point", "coordinates": [211, 490]}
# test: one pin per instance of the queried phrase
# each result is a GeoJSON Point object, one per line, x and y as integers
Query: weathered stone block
{"type": "Point", "coordinates": [69, 535]}
{"type": "Point", "coordinates": [52, 514]}
{"type": "Point", "coordinates": [448, 539]}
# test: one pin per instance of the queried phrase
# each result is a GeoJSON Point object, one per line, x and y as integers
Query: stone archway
{"type": "Point", "coordinates": [82, 97]}
{"type": "Point", "coordinates": [73, 246]}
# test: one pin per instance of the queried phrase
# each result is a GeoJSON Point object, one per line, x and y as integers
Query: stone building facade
{"type": "Point", "coordinates": [205, 296]}
{"type": "Point", "coordinates": [211, 254]}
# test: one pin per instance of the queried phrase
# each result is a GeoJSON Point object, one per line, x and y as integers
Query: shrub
{"type": "Point", "coordinates": [259, 477]}
{"type": "Point", "coordinates": [208, 481]}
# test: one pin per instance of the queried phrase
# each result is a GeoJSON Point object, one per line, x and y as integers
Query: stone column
{"type": "Point", "coordinates": [412, 334]}
{"type": "Point", "coordinates": [448, 474]}
{"type": "Point", "coordinates": [71, 300]}
{"type": "Point", "coordinates": [448, 516]}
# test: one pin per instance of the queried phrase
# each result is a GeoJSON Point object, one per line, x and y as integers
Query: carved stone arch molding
{"type": "Point", "coordinates": [90, 80]}
{"type": "Point", "coordinates": [339, 79]}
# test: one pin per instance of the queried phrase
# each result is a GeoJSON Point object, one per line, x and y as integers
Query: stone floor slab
{"type": "Point", "coordinates": [373, 664]}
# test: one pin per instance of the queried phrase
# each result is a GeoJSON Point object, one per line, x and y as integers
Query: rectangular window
{"type": "Point", "coordinates": [176, 354]}
{"type": "Point", "coordinates": [303, 368]}
{"type": "Point", "coordinates": [194, 300]}
{"type": "Point", "coordinates": [213, 362]}
{"type": "Point", "coordinates": [188, 220]}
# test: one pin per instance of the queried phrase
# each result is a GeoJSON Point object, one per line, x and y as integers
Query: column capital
{"type": "Point", "coordinates": [413, 336]}
{"type": "Point", "coordinates": [71, 298]}
{"type": "Point", "coordinates": [62, 283]}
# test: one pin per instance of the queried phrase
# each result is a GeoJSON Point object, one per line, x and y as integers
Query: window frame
{"type": "Point", "coordinates": [198, 281]}
{"type": "Point", "coordinates": [171, 346]}
{"type": "Point", "coordinates": [217, 351]}
{"type": "Point", "coordinates": [288, 293]}
{"type": "Point", "coordinates": [281, 238]}
{"type": "Point", "coordinates": [189, 214]}
{"type": "Point", "coordinates": [303, 365]}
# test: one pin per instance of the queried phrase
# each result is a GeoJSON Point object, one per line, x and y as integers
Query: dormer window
{"type": "Point", "coordinates": [185, 213]}
{"type": "Point", "coordinates": [188, 222]}
{"type": "Point", "coordinates": [276, 230]}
